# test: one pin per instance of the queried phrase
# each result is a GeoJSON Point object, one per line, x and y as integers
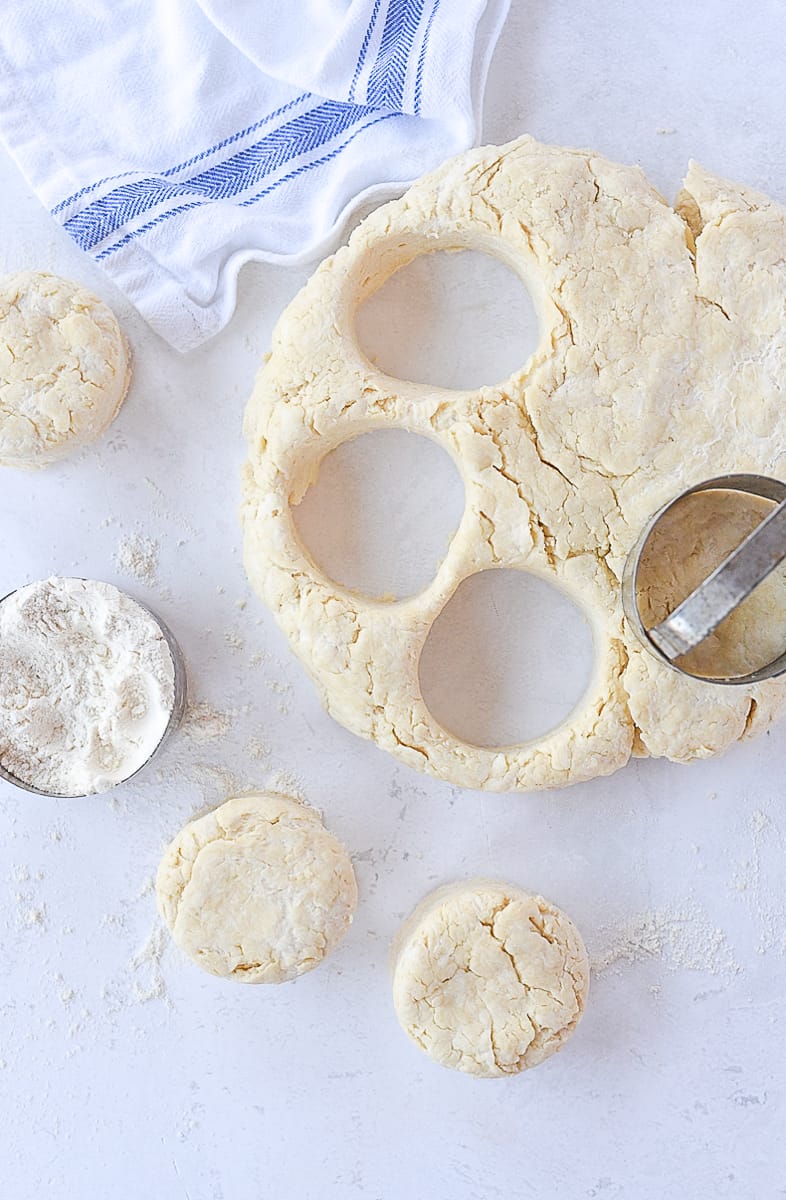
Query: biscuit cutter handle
{"type": "Point", "coordinates": [721, 592]}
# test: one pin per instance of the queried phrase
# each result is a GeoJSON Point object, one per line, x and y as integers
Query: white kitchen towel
{"type": "Point", "coordinates": [174, 140]}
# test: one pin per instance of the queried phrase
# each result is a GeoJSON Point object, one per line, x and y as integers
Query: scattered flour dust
{"type": "Point", "coordinates": [31, 915]}
{"type": "Point", "coordinates": [216, 780]}
{"type": "Point", "coordinates": [749, 882]}
{"type": "Point", "coordinates": [146, 888]}
{"type": "Point", "coordinates": [147, 977]}
{"type": "Point", "coordinates": [190, 1121]}
{"type": "Point", "coordinates": [142, 979]}
{"type": "Point", "coordinates": [683, 936]}
{"type": "Point", "coordinates": [258, 749]}
{"type": "Point", "coordinates": [288, 784]}
{"type": "Point", "coordinates": [284, 691]}
{"type": "Point", "coordinates": [203, 722]}
{"type": "Point", "coordinates": [30, 912]}
{"type": "Point", "coordinates": [138, 556]}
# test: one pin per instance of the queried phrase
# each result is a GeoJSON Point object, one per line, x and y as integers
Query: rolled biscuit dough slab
{"type": "Point", "coordinates": [257, 890]}
{"type": "Point", "coordinates": [64, 368]}
{"type": "Point", "coordinates": [489, 979]}
{"type": "Point", "coordinates": [660, 364]}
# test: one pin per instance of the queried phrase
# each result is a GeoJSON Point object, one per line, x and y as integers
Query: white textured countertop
{"type": "Point", "coordinates": [124, 1070]}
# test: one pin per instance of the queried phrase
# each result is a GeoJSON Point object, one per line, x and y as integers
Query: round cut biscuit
{"type": "Point", "coordinates": [489, 979]}
{"type": "Point", "coordinates": [64, 368]}
{"type": "Point", "coordinates": [257, 890]}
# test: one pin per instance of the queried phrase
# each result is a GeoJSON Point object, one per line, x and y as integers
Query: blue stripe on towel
{"type": "Point", "coordinates": [389, 73]}
{"type": "Point", "coordinates": [227, 141]}
{"type": "Point", "coordinates": [249, 167]}
{"type": "Point", "coordinates": [363, 51]}
{"type": "Point", "coordinates": [302, 169]}
{"type": "Point", "coordinates": [422, 58]}
{"type": "Point", "coordinates": [108, 216]}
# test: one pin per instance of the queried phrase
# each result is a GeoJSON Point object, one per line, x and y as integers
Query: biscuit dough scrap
{"type": "Point", "coordinates": [64, 368]}
{"type": "Point", "coordinates": [258, 890]}
{"type": "Point", "coordinates": [661, 363]}
{"type": "Point", "coordinates": [489, 979]}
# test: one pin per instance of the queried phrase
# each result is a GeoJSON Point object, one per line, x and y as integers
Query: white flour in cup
{"type": "Point", "coordinates": [87, 686]}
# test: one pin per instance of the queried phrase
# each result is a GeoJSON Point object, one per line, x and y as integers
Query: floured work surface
{"type": "Point", "coordinates": [659, 365]}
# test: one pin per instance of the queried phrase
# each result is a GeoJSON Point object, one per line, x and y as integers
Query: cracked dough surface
{"type": "Point", "coordinates": [489, 979]}
{"type": "Point", "coordinates": [258, 890]}
{"type": "Point", "coordinates": [661, 363]}
{"type": "Point", "coordinates": [64, 368]}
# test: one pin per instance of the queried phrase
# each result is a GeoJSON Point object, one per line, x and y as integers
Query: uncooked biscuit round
{"type": "Point", "coordinates": [258, 890]}
{"type": "Point", "coordinates": [64, 368]}
{"type": "Point", "coordinates": [660, 364]}
{"type": "Point", "coordinates": [489, 979]}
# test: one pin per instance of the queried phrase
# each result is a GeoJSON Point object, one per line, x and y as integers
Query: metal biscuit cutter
{"type": "Point", "coordinates": [732, 581]}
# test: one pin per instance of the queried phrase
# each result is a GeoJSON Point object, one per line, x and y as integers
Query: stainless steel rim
{"type": "Point", "coordinates": [752, 485]}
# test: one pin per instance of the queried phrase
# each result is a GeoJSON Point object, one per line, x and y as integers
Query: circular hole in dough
{"type": "Point", "coordinates": [380, 516]}
{"type": "Point", "coordinates": [489, 979]}
{"type": "Point", "coordinates": [64, 368]}
{"type": "Point", "coordinates": [507, 660]}
{"type": "Point", "coordinates": [685, 546]}
{"type": "Point", "coordinates": [453, 319]}
{"type": "Point", "coordinates": [257, 890]}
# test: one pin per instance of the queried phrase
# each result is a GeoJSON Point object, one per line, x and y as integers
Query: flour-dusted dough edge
{"type": "Point", "coordinates": [419, 961]}
{"type": "Point", "coordinates": [315, 912]}
{"type": "Point", "coordinates": [62, 354]}
{"type": "Point", "coordinates": [562, 463]}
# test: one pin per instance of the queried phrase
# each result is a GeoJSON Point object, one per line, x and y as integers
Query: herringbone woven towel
{"type": "Point", "coordinates": [175, 140]}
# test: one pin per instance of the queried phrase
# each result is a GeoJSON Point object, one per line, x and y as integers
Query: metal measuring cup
{"type": "Point", "coordinates": [176, 715]}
